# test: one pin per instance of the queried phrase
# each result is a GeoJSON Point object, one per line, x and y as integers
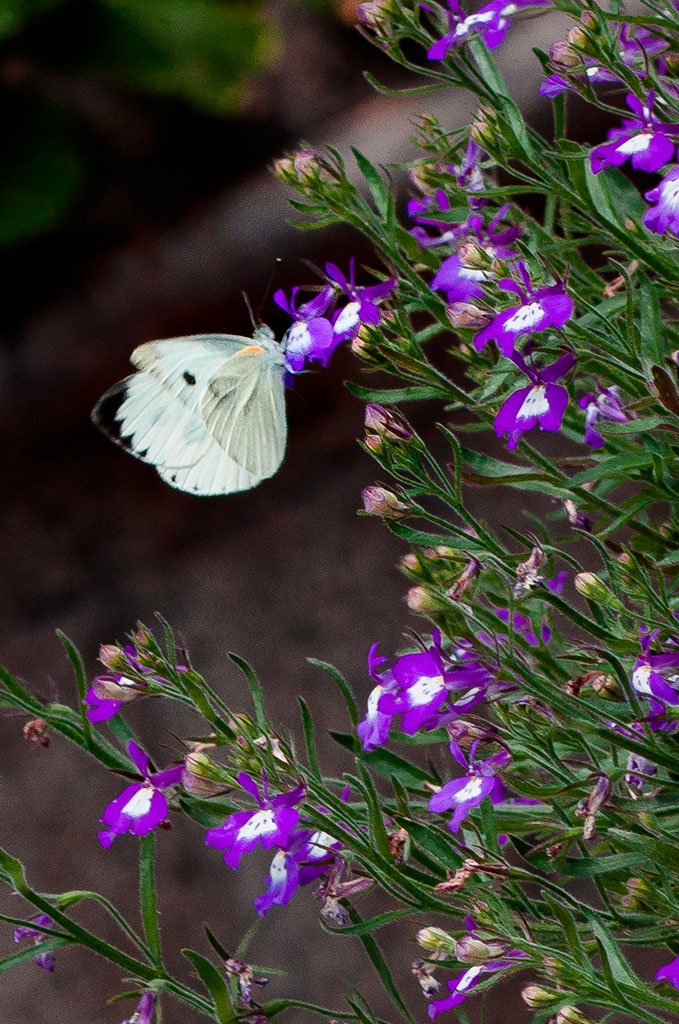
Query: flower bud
{"type": "Point", "coordinates": [466, 315]}
{"type": "Point", "coordinates": [607, 686]}
{"type": "Point", "coordinates": [113, 658]}
{"type": "Point", "coordinates": [570, 1015]}
{"type": "Point", "coordinates": [536, 996]}
{"type": "Point", "coordinates": [386, 424]}
{"type": "Point", "coordinates": [436, 940]}
{"type": "Point", "coordinates": [469, 950]}
{"type": "Point", "coordinates": [117, 688]}
{"type": "Point", "coordinates": [411, 563]}
{"type": "Point", "coordinates": [589, 585]}
{"type": "Point", "coordinates": [483, 128]}
{"type": "Point", "coordinates": [563, 56]}
{"type": "Point", "coordinates": [202, 777]}
{"type": "Point", "coordinates": [465, 733]}
{"type": "Point", "coordinates": [423, 602]}
{"type": "Point", "coordinates": [378, 501]}
{"type": "Point", "coordinates": [373, 13]}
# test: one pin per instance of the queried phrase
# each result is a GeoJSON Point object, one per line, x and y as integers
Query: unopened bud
{"type": "Point", "coordinates": [570, 1015]}
{"type": "Point", "coordinates": [482, 130]}
{"type": "Point", "coordinates": [378, 501]}
{"type": "Point", "coordinates": [374, 443]}
{"type": "Point", "coordinates": [436, 940]}
{"type": "Point", "coordinates": [386, 423]}
{"type": "Point", "coordinates": [473, 951]}
{"type": "Point", "coordinates": [202, 777]}
{"type": "Point", "coordinates": [112, 658]}
{"type": "Point", "coordinates": [465, 733]}
{"type": "Point", "coordinates": [589, 585]}
{"type": "Point", "coordinates": [578, 38]}
{"type": "Point", "coordinates": [473, 255]}
{"type": "Point", "coordinates": [467, 316]}
{"type": "Point", "coordinates": [608, 687]}
{"type": "Point", "coordinates": [373, 13]}
{"type": "Point", "coordinates": [563, 56]}
{"type": "Point", "coordinates": [423, 602]}
{"type": "Point", "coordinates": [411, 563]}
{"type": "Point", "coordinates": [536, 996]}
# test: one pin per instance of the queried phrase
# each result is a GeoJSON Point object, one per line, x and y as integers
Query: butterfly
{"type": "Point", "coordinates": [208, 410]}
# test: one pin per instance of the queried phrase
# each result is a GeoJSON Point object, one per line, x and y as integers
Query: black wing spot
{"type": "Point", "coordinates": [189, 378]}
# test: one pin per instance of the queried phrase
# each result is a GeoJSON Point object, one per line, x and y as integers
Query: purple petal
{"type": "Point", "coordinates": [139, 758]}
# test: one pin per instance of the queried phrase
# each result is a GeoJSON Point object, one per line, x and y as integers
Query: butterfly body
{"type": "Point", "coordinates": [208, 410]}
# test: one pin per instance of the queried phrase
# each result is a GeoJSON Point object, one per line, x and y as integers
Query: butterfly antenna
{"type": "Point", "coordinates": [254, 322]}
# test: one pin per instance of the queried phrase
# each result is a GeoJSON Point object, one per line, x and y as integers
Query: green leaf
{"type": "Point", "coordinates": [394, 396]}
{"type": "Point", "coordinates": [374, 183]}
{"type": "Point", "coordinates": [147, 895]}
{"type": "Point", "coordinates": [650, 320]}
{"type": "Point", "coordinates": [255, 689]}
{"type": "Point", "coordinates": [343, 685]}
{"type": "Point", "coordinates": [81, 686]}
{"type": "Point", "coordinates": [385, 762]}
{"type": "Point", "coordinates": [25, 955]}
{"type": "Point", "coordinates": [379, 963]}
{"type": "Point", "coordinates": [462, 541]}
{"type": "Point", "coordinates": [214, 983]}
{"type": "Point", "coordinates": [308, 726]}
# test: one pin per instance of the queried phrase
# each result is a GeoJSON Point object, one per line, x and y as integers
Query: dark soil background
{"type": "Point", "coordinates": [182, 216]}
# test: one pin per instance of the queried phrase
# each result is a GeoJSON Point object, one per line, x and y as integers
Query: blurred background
{"type": "Point", "coordinates": [136, 203]}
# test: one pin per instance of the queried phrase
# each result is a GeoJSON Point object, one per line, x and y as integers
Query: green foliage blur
{"type": "Point", "coordinates": [201, 53]}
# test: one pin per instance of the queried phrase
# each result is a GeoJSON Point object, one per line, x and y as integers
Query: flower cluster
{"type": "Point", "coordinates": [314, 335]}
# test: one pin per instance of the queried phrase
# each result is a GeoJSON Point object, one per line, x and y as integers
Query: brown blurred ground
{"type": "Point", "coordinates": [91, 540]}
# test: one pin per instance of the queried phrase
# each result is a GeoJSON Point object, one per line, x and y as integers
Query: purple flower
{"type": "Point", "coordinates": [270, 824]}
{"type": "Point", "coordinates": [425, 211]}
{"type": "Point", "coordinates": [542, 403]}
{"type": "Point", "coordinates": [491, 22]}
{"type": "Point", "coordinates": [307, 856]}
{"type": "Point", "coordinates": [648, 142]}
{"type": "Point", "coordinates": [665, 215]}
{"type": "Point", "coordinates": [479, 782]}
{"type": "Point", "coordinates": [520, 624]}
{"type": "Point", "coordinates": [28, 931]}
{"type": "Point", "coordinates": [311, 335]}
{"type": "Point", "coordinates": [418, 686]}
{"type": "Point", "coordinates": [362, 307]}
{"type": "Point", "coordinates": [461, 986]}
{"type": "Point", "coordinates": [670, 972]}
{"type": "Point", "coordinates": [539, 309]}
{"type": "Point", "coordinates": [637, 763]}
{"type": "Point", "coordinates": [373, 730]}
{"type": "Point", "coordinates": [460, 280]}
{"type": "Point", "coordinates": [107, 694]}
{"type": "Point", "coordinates": [650, 671]}
{"type": "Point", "coordinates": [633, 50]}
{"type": "Point", "coordinates": [144, 1011]}
{"type": "Point", "coordinates": [607, 404]}
{"type": "Point", "coordinates": [141, 806]}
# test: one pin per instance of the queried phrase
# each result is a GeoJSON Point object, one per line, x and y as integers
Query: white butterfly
{"type": "Point", "coordinates": [208, 411]}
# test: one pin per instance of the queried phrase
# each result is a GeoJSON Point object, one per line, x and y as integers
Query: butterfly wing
{"type": "Point", "coordinates": [156, 413]}
{"type": "Point", "coordinates": [244, 409]}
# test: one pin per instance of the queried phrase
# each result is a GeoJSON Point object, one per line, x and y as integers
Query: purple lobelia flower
{"type": "Point", "coordinates": [427, 212]}
{"type": "Point", "coordinates": [362, 306]}
{"type": "Point", "coordinates": [270, 824]}
{"type": "Point", "coordinates": [307, 856]}
{"type": "Point", "coordinates": [457, 277]}
{"type": "Point", "coordinates": [373, 730]}
{"type": "Point", "coordinates": [664, 216]}
{"type": "Point", "coordinates": [107, 694]}
{"type": "Point", "coordinates": [670, 972]}
{"type": "Point", "coordinates": [423, 683]}
{"type": "Point", "coordinates": [500, 956]}
{"type": "Point", "coordinates": [479, 782]}
{"type": "Point", "coordinates": [141, 806]}
{"type": "Point", "coordinates": [607, 404]}
{"type": "Point", "coordinates": [28, 931]}
{"type": "Point", "coordinates": [144, 1011]}
{"type": "Point", "coordinates": [649, 675]}
{"type": "Point", "coordinates": [491, 22]}
{"type": "Point", "coordinates": [542, 403]}
{"type": "Point", "coordinates": [311, 335]}
{"type": "Point", "coordinates": [539, 309]}
{"type": "Point", "coordinates": [646, 141]}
